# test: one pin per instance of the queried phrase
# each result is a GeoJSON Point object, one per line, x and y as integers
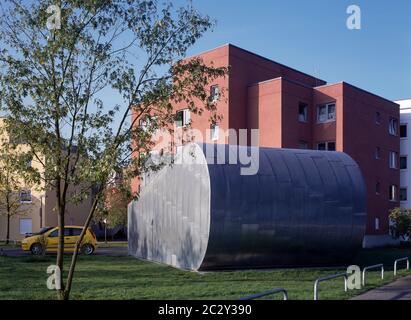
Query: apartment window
{"type": "Point", "coordinates": [377, 224]}
{"type": "Point", "coordinates": [378, 188]}
{"type": "Point", "coordinates": [403, 194]}
{"type": "Point", "coordinates": [26, 226]}
{"type": "Point", "coordinates": [182, 118]}
{"type": "Point", "coordinates": [378, 118]}
{"type": "Point", "coordinates": [25, 196]}
{"type": "Point", "coordinates": [214, 136]}
{"type": "Point", "coordinates": [214, 93]}
{"type": "Point", "coordinates": [326, 112]}
{"type": "Point", "coordinates": [403, 131]}
{"type": "Point", "coordinates": [322, 146]}
{"type": "Point", "coordinates": [326, 146]}
{"type": "Point", "coordinates": [393, 160]}
{"type": "Point", "coordinates": [392, 194]}
{"type": "Point", "coordinates": [303, 112]}
{"type": "Point", "coordinates": [403, 162]}
{"type": "Point", "coordinates": [393, 126]}
{"type": "Point", "coordinates": [377, 153]}
{"type": "Point", "coordinates": [331, 146]}
{"type": "Point", "coordinates": [303, 145]}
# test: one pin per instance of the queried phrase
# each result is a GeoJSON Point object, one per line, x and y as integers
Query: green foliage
{"type": "Point", "coordinates": [11, 182]}
{"type": "Point", "coordinates": [53, 84]}
{"type": "Point", "coordinates": [114, 205]}
{"type": "Point", "coordinates": [53, 81]}
{"type": "Point", "coordinates": [401, 223]}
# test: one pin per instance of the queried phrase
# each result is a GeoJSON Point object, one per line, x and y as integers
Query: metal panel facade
{"type": "Point", "coordinates": [303, 207]}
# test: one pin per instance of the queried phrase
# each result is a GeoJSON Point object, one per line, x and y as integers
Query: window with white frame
{"type": "Point", "coordinates": [214, 132]}
{"type": "Point", "coordinates": [326, 146]}
{"type": "Point", "coordinates": [392, 193]}
{"type": "Point", "coordinates": [377, 224]}
{"type": "Point", "coordinates": [403, 194]}
{"type": "Point", "coordinates": [303, 112]}
{"type": "Point", "coordinates": [183, 118]}
{"type": "Point", "coordinates": [326, 112]}
{"type": "Point", "coordinates": [26, 226]}
{"type": "Point", "coordinates": [25, 196]}
{"type": "Point", "coordinates": [214, 93]}
{"type": "Point", "coordinates": [393, 127]}
{"type": "Point", "coordinates": [393, 160]}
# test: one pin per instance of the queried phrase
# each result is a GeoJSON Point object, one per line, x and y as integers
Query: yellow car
{"type": "Point", "coordinates": [47, 239]}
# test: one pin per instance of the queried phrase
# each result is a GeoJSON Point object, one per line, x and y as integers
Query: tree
{"type": "Point", "coordinates": [59, 60]}
{"type": "Point", "coordinates": [114, 204]}
{"type": "Point", "coordinates": [13, 178]}
{"type": "Point", "coordinates": [401, 223]}
{"type": "Point", "coordinates": [11, 183]}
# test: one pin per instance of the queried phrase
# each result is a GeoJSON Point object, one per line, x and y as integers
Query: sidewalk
{"type": "Point", "coordinates": [398, 290]}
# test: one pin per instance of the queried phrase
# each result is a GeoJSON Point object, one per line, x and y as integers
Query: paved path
{"type": "Point", "coordinates": [111, 252]}
{"type": "Point", "coordinates": [398, 290]}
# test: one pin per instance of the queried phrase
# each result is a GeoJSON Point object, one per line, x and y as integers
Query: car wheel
{"type": "Point", "coordinates": [36, 249]}
{"type": "Point", "coordinates": [87, 249]}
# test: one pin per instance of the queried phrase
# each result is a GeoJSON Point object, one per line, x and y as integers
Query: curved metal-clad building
{"type": "Point", "coordinates": [302, 208]}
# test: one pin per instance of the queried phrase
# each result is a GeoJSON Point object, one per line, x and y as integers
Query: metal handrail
{"type": "Point", "coordinates": [268, 293]}
{"type": "Point", "coordinates": [399, 260]}
{"type": "Point", "coordinates": [372, 267]}
{"type": "Point", "coordinates": [334, 276]}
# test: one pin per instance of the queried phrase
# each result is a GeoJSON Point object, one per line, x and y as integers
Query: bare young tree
{"type": "Point", "coordinates": [61, 61]}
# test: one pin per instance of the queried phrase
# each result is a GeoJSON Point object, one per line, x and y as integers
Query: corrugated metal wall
{"type": "Point", "coordinates": [170, 222]}
{"type": "Point", "coordinates": [303, 207]}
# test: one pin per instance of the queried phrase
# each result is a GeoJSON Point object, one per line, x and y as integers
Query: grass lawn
{"type": "Point", "coordinates": [100, 277]}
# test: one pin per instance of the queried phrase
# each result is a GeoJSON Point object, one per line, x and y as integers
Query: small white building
{"type": "Point", "coordinates": [405, 157]}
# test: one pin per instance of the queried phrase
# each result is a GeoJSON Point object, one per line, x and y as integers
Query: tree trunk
{"type": "Point", "coordinates": [8, 229]}
{"type": "Point", "coordinates": [60, 253]}
{"type": "Point", "coordinates": [8, 218]}
{"type": "Point", "coordinates": [78, 244]}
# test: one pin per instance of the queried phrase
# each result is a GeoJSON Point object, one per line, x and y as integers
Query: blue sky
{"type": "Point", "coordinates": [312, 36]}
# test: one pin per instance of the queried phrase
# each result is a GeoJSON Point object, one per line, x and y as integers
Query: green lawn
{"type": "Point", "coordinates": [100, 277]}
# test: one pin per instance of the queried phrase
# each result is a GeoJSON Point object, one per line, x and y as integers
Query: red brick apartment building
{"type": "Point", "coordinates": [294, 110]}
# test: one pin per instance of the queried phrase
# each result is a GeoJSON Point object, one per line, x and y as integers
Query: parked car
{"type": "Point", "coordinates": [47, 240]}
